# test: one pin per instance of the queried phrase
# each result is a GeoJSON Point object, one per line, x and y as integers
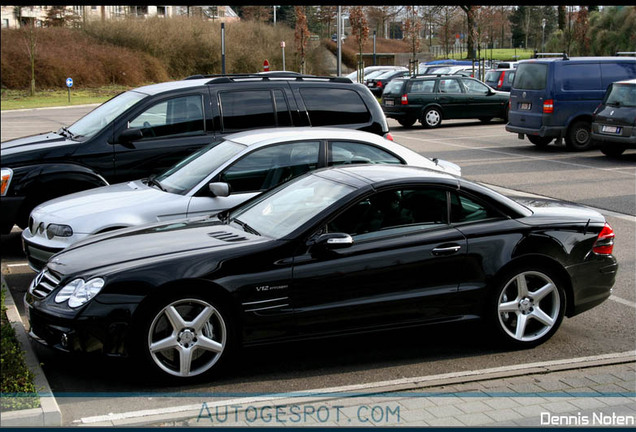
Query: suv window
{"type": "Point", "coordinates": [241, 108]}
{"type": "Point", "coordinates": [182, 115]}
{"type": "Point", "coordinates": [334, 106]}
{"type": "Point", "coordinates": [531, 76]}
{"type": "Point", "coordinates": [270, 166]}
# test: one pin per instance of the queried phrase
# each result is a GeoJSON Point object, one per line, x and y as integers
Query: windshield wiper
{"type": "Point", "coordinates": [152, 180]}
{"type": "Point", "coordinates": [246, 227]}
{"type": "Point", "coordinates": [65, 132]}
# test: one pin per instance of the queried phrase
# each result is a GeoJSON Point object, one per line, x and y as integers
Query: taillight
{"type": "Point", "coordinates": [388, 136]}
{"type": "Point", "coordinates": [548, 106]}
{"type": "Point", "coordinates": [378, 84]}
{"type": "Point", "coordinates": [604, 244]}
{"type": "Point", "coordinates": [501, 80]}
{"type": "Point", "coordinates": [405, 99]}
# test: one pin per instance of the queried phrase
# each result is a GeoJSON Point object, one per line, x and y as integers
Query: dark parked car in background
{"type": "Point", "coordinates": [336, 251]}
{"type": "Point", "coordinates": [614, 124]}
{"type": "Point", "coordinates": [431, 98]}
{"type": "Point", "coordinates": [500, 79]}
{"type": "Point", "coordinates": [378, 83]}
{"type": "Point", "coordinates": [146, 130]}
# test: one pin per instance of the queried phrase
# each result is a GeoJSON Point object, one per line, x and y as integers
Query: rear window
{"type": "Point", "coordinates": [531, 76]}
{"type": "Point", "coordinates": [394, 87]}
{"type": "Point", "coordinates": [622, 95]}
{"type": "Point", "coordinates": [492, 76]}
{"type": "Point", "coordinates": [334, 106]}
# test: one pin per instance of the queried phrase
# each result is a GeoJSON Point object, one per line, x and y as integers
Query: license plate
{"type": "Point", "coordinates": [611, 129]}
{"type": "Point", "coordinates": [388, 102]}
{"type": "Point", "coordinates": [370, 84]}
{"type": "Point", "coordinates": [525, 106]}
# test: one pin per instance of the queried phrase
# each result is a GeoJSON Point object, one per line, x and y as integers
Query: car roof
{"type": "Point", "coordinates": [273, 135]}
{"type": "Point", "coordinates": [384, 173]}
{"type": "Point", "coordinates": [629, 81]}
{"type": "Point", "coordinates": [154, 89]}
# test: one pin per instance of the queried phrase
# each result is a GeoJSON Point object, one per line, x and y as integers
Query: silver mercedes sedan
{"type": "Point", "coordinates": [217, 177]}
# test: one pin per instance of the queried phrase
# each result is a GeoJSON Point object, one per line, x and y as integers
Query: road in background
{"type": "Point", "coordinates": [486, 153]}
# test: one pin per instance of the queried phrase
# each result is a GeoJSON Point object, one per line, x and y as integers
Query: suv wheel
{"type": "Point", "coordinates": [431, 118]}
{"type": "Point", "coordinates": [579, 136]}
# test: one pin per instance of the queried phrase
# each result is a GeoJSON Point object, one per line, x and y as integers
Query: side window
{"type": "Point", "coordinates": [449, 86]}
{"type": "Point", "coordinates": [474, 87]}
{"type": "Point", "coordinates": [334, 106]}
{"type": "Point", "coordinates": [283, 114]}
{"type": "Point", "coordinates": [581, 77]}
{"type": "Point", "coordinates": [270, 166]}
{"type": "Point", "coordinates": [465, 209]}
{"type": "Point", "coordinates": [251, 109]}
{"type": "Point", "coordinates": [344, 152]}
{"type": "Point", "coordinates": [393, 211]}
{"type": "Point", "coordinates": [178, 116]}
{"type": "Point", "coordinates": [422, 86]}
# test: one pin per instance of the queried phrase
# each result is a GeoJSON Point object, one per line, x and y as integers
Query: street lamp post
{"type": "Point", "coordinates": [374, 35]}
{"type": "Point", "coordinates": [543, 35]}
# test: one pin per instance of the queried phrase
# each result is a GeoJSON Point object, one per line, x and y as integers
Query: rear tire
{"type": "Point", "coordinates": [579, 136]}
{"type": "Point", "coordinates": [612, 150]}
{"type": "Point", "coordinates": [539, 141]}
{"type": "Point", "coordinates": [406, 122]}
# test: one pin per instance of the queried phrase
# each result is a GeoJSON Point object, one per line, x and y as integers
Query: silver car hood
{"type": "Point", "coordinates": [122, 204]}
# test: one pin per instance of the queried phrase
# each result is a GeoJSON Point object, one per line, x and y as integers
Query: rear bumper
{"type": "Point", "coordinates": [592, 283]}
{"type": "Point", "coordinates": [543, 131]}
{"type": "Point", "coordinates": [627, 138]}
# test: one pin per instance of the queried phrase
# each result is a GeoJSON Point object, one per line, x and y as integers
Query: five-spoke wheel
{"type": "Point", "coordinates": [530, 307]}
{"type": "Point", "coordinates": [187, 337]}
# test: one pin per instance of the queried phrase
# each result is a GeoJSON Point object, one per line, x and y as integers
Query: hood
{"type": "Point", "coordinates": [120, 204]}
{"type": "Point", "coordinates": [558, 212]}
{"type": "Point", "coordinates": [32, 148]}
{"type": "Point", "coordinates": [151, 243]}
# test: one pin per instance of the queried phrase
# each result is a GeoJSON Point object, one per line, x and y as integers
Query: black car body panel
{"type": "Point", "coordinates": [292, 288]}
{"type": "Point", "coordinates": [614, 122]}
{"type": "Point", "coordinates": [154, 127]}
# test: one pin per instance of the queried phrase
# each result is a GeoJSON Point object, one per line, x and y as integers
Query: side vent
{"type": "Point", "coordinates": [227, 236]}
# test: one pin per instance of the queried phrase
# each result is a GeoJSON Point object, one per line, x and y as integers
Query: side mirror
{"type": "Point", "coordinates": [219, 189]}
{"type": "Point", "coordinates": [333, 241]}
{"type": "Point", "coordinates": [131, 134]}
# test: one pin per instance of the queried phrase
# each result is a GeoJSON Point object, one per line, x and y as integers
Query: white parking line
{"type": "Point", "coordinates": [623, 301]}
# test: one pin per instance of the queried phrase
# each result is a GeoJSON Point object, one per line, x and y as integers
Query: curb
{"type": "Point", "coordinates": [50, 108]}
{"type": "Point", "coordinates": [48, 414]}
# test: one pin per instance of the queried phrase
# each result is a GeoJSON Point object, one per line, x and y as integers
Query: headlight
{"type": "Point", "coordinates": [78, 292]}
{"type": "Point", "coordinates": [7, 175]}
{"type": "Point", "coordinates": [55, 230]}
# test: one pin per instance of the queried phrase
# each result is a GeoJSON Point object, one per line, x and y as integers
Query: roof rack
{"type": "Point", "coordinates": [563, 55]}
{"type": "Point", "coordinates": [625, 53]}
{"type": "Point", "coordinates": [219, 78]}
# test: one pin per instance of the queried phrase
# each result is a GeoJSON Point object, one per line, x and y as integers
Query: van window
{"type": "Point", "coordinates": [334, 106]}
{"type": "Point", "coordinates": [583, 76]}
{"type": "Point", "coordinates": [531, 76]}
{"type": "Point", "coordinates": [251, 109]}
{"type": "Point", "coordinates": [617, 71]}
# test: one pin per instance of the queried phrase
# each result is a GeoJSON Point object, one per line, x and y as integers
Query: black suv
{"type": "Point", "coordinates": [143, 131]}
{"type": "Point", "coordinates": [431, 98]}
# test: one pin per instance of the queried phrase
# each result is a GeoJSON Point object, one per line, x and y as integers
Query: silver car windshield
{"type": "Point", "coordinates": [104, 114]}
{"type": "Point", "coordinates": [278, 213]}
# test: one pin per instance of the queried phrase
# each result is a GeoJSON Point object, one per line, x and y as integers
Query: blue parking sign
{"type": "Point", "coordinates": [69, 82]}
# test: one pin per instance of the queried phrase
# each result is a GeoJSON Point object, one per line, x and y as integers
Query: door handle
{"type": "Point", "coordinates": [446, 249]}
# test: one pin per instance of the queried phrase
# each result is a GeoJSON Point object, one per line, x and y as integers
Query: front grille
{"type": "Point", "coordinates": [43, 284]}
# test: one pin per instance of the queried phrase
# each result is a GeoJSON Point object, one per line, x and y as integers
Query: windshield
{"type": "Point", "coordinates": [104, 114]}
{"type": "Point", "coordinates": [278, 213]}
{"type": "Point", "coordinates": [531, 76]}
{"type": "Point", "coordinates": [622, 95]}
{"type": "Point", "coordinates": [195, 168]}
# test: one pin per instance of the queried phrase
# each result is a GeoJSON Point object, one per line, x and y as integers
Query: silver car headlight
{"type": "Point", "coordinates": [7, 175]}
{"type": "Point", "coordinates": [55, 230]}
{"type": "Point", "coordinates": [77, 292]}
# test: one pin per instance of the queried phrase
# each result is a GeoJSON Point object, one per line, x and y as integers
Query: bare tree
{"type": "Point", "coordinates": [412, 29]}
{"type": "Point", "coordinates": [30, 42]}
{"type": "Point", "coordinates": [302, 35]}
{"type": "Point", "coordinates": [470, 10]}
{"type": "Point", "coordinates": [359, 29]}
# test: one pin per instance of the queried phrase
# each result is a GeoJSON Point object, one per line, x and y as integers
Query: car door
{"type": "Point", "coordinates": [262, 169]}
{"type": "Point", "coordinates": [481, 102]}
{"type": "Point", "coordinates": [401, 267]}
{"type": "Point", "coordinates": [164, 132]}
{"type": "Point", "coordinates": [452, 97]}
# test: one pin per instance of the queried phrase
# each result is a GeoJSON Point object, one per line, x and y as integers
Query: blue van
{"type": "Point", "coordinates": [554, 98]}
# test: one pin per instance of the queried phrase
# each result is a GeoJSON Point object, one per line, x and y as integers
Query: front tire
{"type": "Point", "coordinates": [406, 122]}
{"type": "Point", "coordinates": [431, 118]}
{"type": "Point", "coordinates": [528, 306]}
{"type": "Point", "coordinates": [185, 337]}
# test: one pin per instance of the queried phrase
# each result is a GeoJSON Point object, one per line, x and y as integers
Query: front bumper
{"type": "Point", "coordinates": [37, 254]}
